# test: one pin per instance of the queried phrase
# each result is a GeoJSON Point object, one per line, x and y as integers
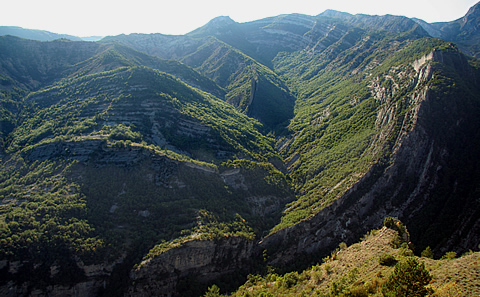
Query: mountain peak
{"type": "Point", "coordinates": [473, 15]}
{"type": "Point", "coordinates": [221, 20]}
{"type": "Point", "coordinates": [475, 9]}
{"type": "Point", "coordinates": [214, 25]}
{"type": "Point", "coordinates": [335, 14]}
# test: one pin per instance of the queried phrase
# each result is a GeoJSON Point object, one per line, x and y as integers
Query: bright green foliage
{"type": "Point", "coordinates": [66, 110]}
{"type": "Point", "coordinates": [49, 214]}
{"type": "Point", "coordinates": [251, 87]}
{"type": "Point", "coordinates": [289, 280]}
{"type": "Point", "coordinates": [427, 253]}
{"type": "Point", "coordinates": [106, 151]}
{"type": "Point", "coordinates": [449, 256]}
{"type": "Point", "coordinates": [209, 227]}
{"type": "Point", "coordinates": [115, 157]}
{"type": "Point", "coordinates": [409, 279]}
{"type": "Point", "coordinates": [213, 291]}
{"type": "Point", "coordinates": [123, 132]}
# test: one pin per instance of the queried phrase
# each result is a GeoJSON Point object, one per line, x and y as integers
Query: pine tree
{"type": "Point", "coordinates": [409, 279]}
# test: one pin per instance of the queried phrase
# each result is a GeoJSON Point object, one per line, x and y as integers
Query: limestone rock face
{"type": "Point", "coordinates": [95, 279]}
{"type": "Point", "coordinates": [204, 260]}
{"type": "Point", "coordinates": [423, 152]}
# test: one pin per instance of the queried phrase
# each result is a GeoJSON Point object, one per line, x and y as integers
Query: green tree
{"type": "Point", "coordinates": [213, 291]}
{"type": "Point", "coordinates": [409, 279]}
{"type": "Point", "coordinates": [427, 253]}
{"type": "Point", "coordinates": [389, 222]}
{"type": "Point", "coordinates": [449, 256]}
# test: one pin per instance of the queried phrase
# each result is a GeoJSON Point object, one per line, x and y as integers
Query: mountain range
{"type": "Point", "coordinates": [41, 35]}
{"type": "Point", "coordinates": [151, 164]}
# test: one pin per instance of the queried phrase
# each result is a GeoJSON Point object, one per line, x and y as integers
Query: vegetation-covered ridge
{"type": "Point", "coordinates": [381, 264]}
{"type": "Point", "coordinates": [340, 131]}
{"type": "Point", "coordinates": [89, 105]}
{"type": "Point", "coordinates": [104, 158]}
{"type": "Point", "coordinates": [236, 149]}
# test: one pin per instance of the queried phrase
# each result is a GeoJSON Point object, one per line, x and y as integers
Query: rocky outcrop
{"type": "Point", "coordinates": [416, 184]}
{"type": "Point", "coordinates": [94, 279]}
{"type": "Point", "coordinates": [76, 150]}
{"type": "Point", "coordinates": [420, 146]}
{"type": "Point", "coordinates": [201, 259]}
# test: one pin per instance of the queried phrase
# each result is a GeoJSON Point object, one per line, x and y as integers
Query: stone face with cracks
{"type": "Point", "coordinates": [204, 260]}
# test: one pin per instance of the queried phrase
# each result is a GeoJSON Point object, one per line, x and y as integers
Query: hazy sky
{"type": "Point", "coordinates": [107, 17]}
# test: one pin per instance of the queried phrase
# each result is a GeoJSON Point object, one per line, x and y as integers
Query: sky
{"type": "Point", "coordinates": [107, 17]}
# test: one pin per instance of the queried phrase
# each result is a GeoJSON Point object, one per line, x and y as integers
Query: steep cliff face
{"type": "Point", "coordinates": [421, 183]}
{"type": "Point", "coordinates": [123, 152]}
{"type": "Point", "coordinates": [201, 261]}
{"type": "Point", "coordinates": [94, 280]}
{"type": "Point", "coordinates": [421, 140]}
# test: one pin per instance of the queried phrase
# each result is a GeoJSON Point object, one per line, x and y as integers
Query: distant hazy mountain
{"type": "Point", "coordinates": [41, 35]}
{"type": "Point", "coordinates": [465, 31]}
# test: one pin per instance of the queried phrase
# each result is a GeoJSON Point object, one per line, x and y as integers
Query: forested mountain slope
{"type": "Point", "coordinates": [250, 86]}
{"type": "Point", "coordinates": [150, 164]}
{"type": "Point", "coordinates": [103, 158]}
{"type": "Point", "coordinates": [386, 151]}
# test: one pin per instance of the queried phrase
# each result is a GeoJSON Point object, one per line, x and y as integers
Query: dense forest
{"type": "Point", "coordinates": [237, 157]}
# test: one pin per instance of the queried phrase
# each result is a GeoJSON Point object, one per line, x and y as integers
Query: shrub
{"type": "Point", "coordinates": [389, 222]}
{"type": "Point", "coordinates": [213, 291]}
{"type": "Point", "coordinates": [397, 241]}
{"type": "Point", "coordinates": [387, 260]}
{"type": "Point", "coordinates": [449, 256]}
{"type": "Point", "coordinates": [357, 291]}
{"type": "Point", "coordinates": [327, 268]}
{"type": "Point", "coordinates": [290, 279]}
{"type": "Point", "coordinates": [427, 253]}
{"type": "Point", "coordinates": [405, 250]}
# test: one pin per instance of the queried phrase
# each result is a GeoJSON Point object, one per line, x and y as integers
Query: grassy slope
{"type": "Point", "coordinates": [356, 269]}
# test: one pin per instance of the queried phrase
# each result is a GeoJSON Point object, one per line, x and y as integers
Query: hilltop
{"type": "Point", "coordinates": [362, 268]}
